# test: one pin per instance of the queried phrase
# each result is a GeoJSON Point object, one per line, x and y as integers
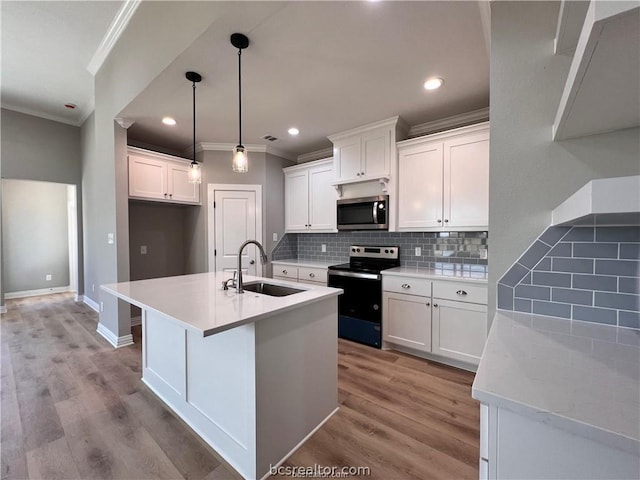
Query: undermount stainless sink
{"type": "Point", "coordinates": [270, 289]}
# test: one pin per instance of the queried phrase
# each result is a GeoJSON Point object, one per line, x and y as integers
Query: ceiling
{"type": "Point", "coordinates": [323, 67]}
{"type": "Point", "coordinates": [46, 48]}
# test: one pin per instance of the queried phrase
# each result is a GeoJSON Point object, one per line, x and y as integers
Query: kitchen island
{"type": "Point", "coordinates": [254, 375]}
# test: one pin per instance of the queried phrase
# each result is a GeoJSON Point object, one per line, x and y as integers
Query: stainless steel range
{"type": "Point", "coordinates": [360, 306]}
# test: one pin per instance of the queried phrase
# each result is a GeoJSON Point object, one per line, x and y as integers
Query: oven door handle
{"type": "Point", "coordinates": [368, 276]}
{"type": "Point", "coordinates": [375, 212]}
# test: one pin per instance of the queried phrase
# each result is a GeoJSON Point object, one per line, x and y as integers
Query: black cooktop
{"type": "Point", "coordinates": [370, 259]}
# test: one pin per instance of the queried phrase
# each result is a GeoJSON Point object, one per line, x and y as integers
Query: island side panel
{"type": "Point", "coordinates": [296, 378]}
{"type": "Point", "coordinates": [208, 381]}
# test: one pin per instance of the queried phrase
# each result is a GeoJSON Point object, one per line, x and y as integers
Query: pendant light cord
{"type": "Point", "coordinates": [240, 96]}
{"type": "Point", "coordinates": [194, 122]}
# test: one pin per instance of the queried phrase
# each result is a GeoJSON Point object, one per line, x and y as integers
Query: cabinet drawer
{"type": "Point", "coordinates": [309, 274]}
{"type": "Point", "coordinates": [407, 285]}
{"type": "Point", "coordinates": [460, 292]}
{"type": "Point", "coordinates": [285, 271]}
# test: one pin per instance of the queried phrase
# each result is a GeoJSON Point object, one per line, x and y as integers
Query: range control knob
{"type": "Point", "coordinates": [386, 251]}
{"type": "Point", "coordinates": [391, 251]}
{"type": "Point", "coordinates": [358, 250]}
{"type": "Point", "coordinates": [353, 249]}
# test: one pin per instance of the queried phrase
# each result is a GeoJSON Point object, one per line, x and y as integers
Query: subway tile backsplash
{"type": "Point", "coordinates": [584, 273]}
{"type": "Point", "coordinates": [437, 247]}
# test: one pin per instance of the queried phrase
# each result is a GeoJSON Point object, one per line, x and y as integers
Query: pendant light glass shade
{"type": "Point", "coordinates": [240, 161]}
{"type": "Point", "coordinates": [195, 173]}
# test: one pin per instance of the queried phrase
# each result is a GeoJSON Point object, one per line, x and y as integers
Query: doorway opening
{"type": "Point", "coordinates": [39, 238]}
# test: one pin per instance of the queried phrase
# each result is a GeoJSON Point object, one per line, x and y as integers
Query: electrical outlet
{"type": "Point", "coordinates": [48, 277]}
{"type": "Point", "coordinates": [111, 238]}
{"type": "Point", "coordinates": [324, 247]}
{"type": "Point", "coordinates": [418, 251]}
{"type": "Point", "coordinates": [143, 249]}
{"type": "Point", "coordinates": [93, 287]}
{"type": "Point", "coordinates": [102, 306]}
{"type": "Point", "coordinates": [275, 237]}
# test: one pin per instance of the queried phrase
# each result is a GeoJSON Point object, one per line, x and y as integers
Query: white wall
{"type": "Point", "coordinates": [529, 173]}
{"type": "Point", "coordinates": [139, 56]}
{"type": "Point", "coordinates": [35, 235]}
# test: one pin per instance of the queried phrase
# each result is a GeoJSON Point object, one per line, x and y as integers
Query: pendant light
{"type": "Point", "coordinates": [240, 162]}
{"type": "Point", "coordinates": [195, 173]}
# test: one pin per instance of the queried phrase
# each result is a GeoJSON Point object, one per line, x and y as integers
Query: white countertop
{"type": "Point", "coordinates": [445, 271]}
{"type": "Point", "coordinates": [578, 376]}
{"type": "Point", "coordinates": [294, 262]}
{"type": "Point", "coordinates": [199, 303]}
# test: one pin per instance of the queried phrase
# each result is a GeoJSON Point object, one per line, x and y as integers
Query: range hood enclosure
{"type": "Point", "coordinates": [605, 201]}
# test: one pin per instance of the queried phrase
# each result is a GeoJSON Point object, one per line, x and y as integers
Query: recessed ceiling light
{"type": "Point", "coordinates": [433, 83]}
{"type": "Point", "coordinates": [293, 131]}
{"type": "Point", "coordinates": [169, 121]}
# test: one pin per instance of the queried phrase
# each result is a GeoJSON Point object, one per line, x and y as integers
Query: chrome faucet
{"type": "Point", "coordinates": [263, 259]}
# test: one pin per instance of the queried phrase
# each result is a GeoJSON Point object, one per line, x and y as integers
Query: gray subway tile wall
{"type": "Point", "coordinates": [588, 273]}
{"type": "Point", "coordinates": [436, 247]}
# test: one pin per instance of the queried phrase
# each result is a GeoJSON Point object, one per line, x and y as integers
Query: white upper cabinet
{"type": "Point", "coordinates": [368, 152]}
{"type": "Point", "coordinates": [309, 197]}
{"type": "Point", "coordinates": [443, 181]}
{"type": "Point", "coordinates": [158, 177]}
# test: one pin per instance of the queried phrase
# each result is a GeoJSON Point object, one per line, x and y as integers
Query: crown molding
{"type": "Point", "coordinates": [118, 25]}
{"type": "Point", "coordinates": [228, 147]}
{"type": "Point", "coordinates": [317, 155]}
{"type": "Point", "coordinates": [447, 123]}
{"type": "Point", "coordinates": [46, 116]}
{"type": "Point", "coordinates": [124, 122]}
{"type": "Point", "coordinates": [356, 131]}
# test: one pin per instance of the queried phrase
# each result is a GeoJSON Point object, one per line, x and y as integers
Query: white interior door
{"type": "Point", "coordinates": [236, 218]}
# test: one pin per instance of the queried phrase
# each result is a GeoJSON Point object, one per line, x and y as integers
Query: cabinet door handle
{"type": "Point", "coordinates": [406, 286]}
{"type": "Point", "coordinates": [284, 271]}
{"type": "Point", "coordinates": [461, 292]}
{"type": "Point", "coordinates": [439, 221]}
{"type": "Point", "coordinates": [428, 304]}
{"type": "Point", "coordinates": [171, 195]}
{"type": "Point", "coordinates": [165, 195]}
{"type": "Point", "coordinates": [362, 173]}
{"type": "Point", "coordinates": [446, 220]}
{"type": "Point", "coordinates": [312, 275]}
{"type": "Point", "coordinates": [358, 174]}
{"type": "Point", "coordinates": [251, 262]}
{"type": "Point", "coordinates": [435, 305]}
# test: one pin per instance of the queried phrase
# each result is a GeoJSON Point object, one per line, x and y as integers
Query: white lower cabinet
{"type": "Point", "coordinates": [514, 445]}
{"type": "Point", "coordinates": [408, 320]}
{"type": "Point", "coordinates": [309, 275]}
{"type": "Point", "coordinates": [445, 318]}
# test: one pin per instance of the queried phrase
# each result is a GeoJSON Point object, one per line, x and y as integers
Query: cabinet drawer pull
{"type": "Point", "coordinates": [171, 195]}
{"type": "Point", "coordinates": [428, 304]}
{"type": "Point", "coordinates": [406, 285]}
{"type": "Point", "coordinates": [461, 292]}
{"type": "Point", "coordinates": [435, 305]}
{"type": "Point", "coordinates": [312, 275]}
{"type": "Point", "coordinates": [284, 271]}
{"type": "Point", "coordinates": [165, 195]}
{"type": "Point", "coordinates": [446, 220]}
{"type": "Point", "coordinates": [439, 221]}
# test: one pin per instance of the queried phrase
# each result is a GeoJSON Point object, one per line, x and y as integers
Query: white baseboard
{"type": "Point", "coordinates": [3, 309]}
{"type": "Point", "coordinates": [114, 340]}
{"type": "Point", "coordinates": [37, 293]}
{"type": "Point", "coordinates": [91, 304]}
{"type": "Point", "coordinates": [135, 321]}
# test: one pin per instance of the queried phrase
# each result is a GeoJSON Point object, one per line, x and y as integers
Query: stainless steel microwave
{"type": "Point", "coordinates": [368, 213]}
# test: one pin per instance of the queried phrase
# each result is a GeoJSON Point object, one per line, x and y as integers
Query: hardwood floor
{"type": "Point", "coordinates": [73, 407]}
